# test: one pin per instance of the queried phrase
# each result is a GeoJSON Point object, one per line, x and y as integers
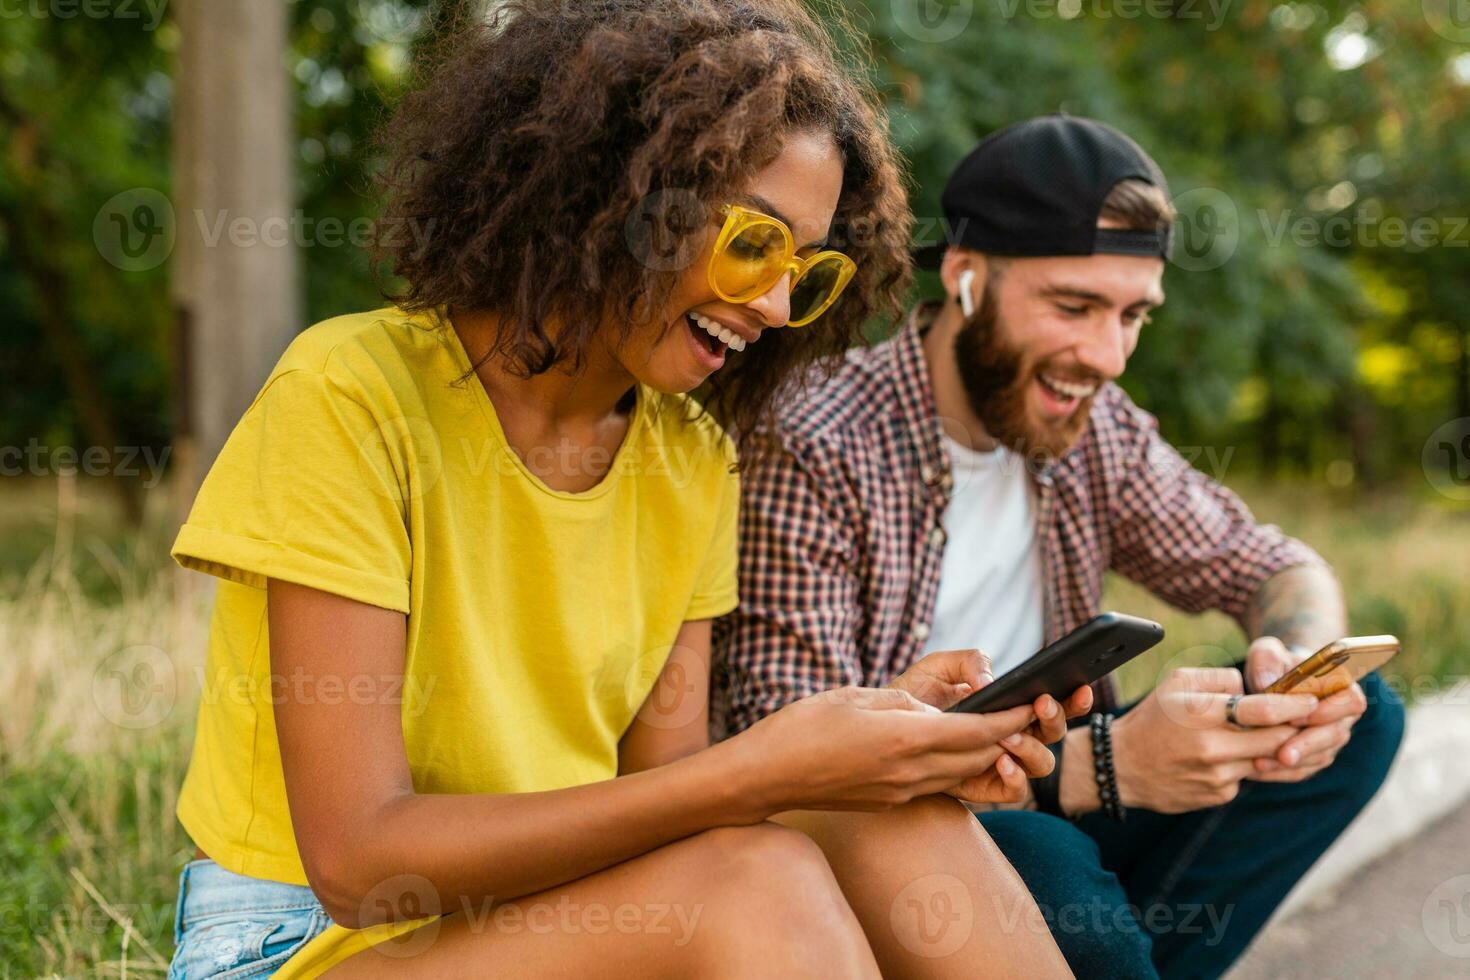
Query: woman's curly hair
{"type": "Point", "coordinates": [563, 155]}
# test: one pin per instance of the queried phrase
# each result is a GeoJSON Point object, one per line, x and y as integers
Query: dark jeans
{"type": "Point", "coordinates": [1183, 895]}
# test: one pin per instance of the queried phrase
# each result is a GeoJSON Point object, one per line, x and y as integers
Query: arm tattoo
{"type": "Point", "coordinates": [1301, 606]}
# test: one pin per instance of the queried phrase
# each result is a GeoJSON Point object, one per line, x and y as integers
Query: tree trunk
{"type": "Point", "coordinates": [1358, 428]}
{"type": "Point", "coordinates": [1462, 374]}
{"type": "Point", "coordinates": [235, 284]}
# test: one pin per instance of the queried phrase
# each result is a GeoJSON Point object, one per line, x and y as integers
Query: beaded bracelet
{"type": "Point", "coordinates": [1102, 766]}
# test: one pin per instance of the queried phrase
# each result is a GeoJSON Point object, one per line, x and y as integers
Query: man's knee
{"type": "Point", "coordinates": [1083, 903]}
{"type": "Point", "coordinates": [1376, 737]}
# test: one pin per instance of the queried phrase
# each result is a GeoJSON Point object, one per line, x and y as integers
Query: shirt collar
{"type": "Point", "coordinates": [916, 395]}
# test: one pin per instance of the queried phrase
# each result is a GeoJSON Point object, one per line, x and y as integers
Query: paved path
{"type": "Point", "coordinates": [1405, 915]}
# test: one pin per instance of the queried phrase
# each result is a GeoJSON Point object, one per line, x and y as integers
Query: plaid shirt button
{"type": "Point", "coordinates": [936, 537]}
{"type": "Point", "coordinates": [921, 632]}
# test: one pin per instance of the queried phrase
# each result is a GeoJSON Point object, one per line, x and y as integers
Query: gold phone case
{"type": "Point", "coordinates": [1338, 665]}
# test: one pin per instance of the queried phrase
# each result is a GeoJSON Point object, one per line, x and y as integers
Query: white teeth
{"type": "Point", "coordinates": [1068, 388]}
{"type": "Point", "coordinates": [721, 333]}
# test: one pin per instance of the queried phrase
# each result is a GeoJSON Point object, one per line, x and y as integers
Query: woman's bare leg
{"type": "Point", "coordinates": [935, 896]}
{"type": "Point", "coordinates": [733, 902]}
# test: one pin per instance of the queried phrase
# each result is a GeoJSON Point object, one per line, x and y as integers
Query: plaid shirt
{"type": "Point", "coordinates": [842, 533]}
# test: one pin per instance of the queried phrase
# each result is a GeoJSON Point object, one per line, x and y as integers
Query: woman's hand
{"type": "Point", "coordinates": [945, 677]}
{"type": "Point", "coordinates": [873, 748]}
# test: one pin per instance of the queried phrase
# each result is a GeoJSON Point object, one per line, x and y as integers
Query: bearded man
{"type": "Point", "coordinates": [967, 484]}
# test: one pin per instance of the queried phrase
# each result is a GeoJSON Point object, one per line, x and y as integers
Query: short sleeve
{"type": "Point", "coordinates": [715, 590]}
{"type": "Point", "coordinates": [308, 489]}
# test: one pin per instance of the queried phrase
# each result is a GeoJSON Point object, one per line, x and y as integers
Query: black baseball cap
{"type": "Point", "coordinates": [1035, 189]}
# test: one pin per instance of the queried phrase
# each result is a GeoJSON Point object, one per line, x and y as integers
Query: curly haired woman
{"type": "Point", "coordinates": [470, 546]}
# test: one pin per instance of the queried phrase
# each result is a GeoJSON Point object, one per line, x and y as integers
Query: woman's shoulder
{"type": "Point", "coordinates": [389, 338]}
{"type": "Point", "coordinates": [381, 359]}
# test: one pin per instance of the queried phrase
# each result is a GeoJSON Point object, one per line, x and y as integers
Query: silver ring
{"type": "Point", "coordinates": [1230, 704]}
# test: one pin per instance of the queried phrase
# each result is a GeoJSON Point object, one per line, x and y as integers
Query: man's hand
{"type": "Point", "coordinates": [1176, 751]}
{"type": "Point", "coordinates": [1324, 732]}
{"type": "Point", "coordinates": [1267, 661]}
{"type": "Point", "coordinates": [948, 676]}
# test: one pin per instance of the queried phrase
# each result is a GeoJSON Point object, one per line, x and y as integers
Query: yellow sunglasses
{"type": "Point", "coordinates": [753, 252]}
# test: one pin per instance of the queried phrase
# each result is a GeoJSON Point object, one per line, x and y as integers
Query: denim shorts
{"type": "Point", "coordinates": [231, 927]}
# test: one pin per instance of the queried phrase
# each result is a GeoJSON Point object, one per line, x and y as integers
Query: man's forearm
{"type": "Point", "coordinates": [1301, 606]}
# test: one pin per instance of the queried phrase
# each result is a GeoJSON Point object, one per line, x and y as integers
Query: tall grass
{"type": "Point", "coordinates": [103, 642]}
{"type": "Point", "coordinates": [97, 680]}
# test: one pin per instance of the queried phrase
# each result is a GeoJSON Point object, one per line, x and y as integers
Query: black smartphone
{"type": "Point", "coordinates": [1086, 654]}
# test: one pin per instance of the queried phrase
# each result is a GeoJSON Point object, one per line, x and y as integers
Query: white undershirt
{"type": "Point", "coordinates": [990, 588]}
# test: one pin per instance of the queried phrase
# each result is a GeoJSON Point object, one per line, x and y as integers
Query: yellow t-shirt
{"type": "Point", "coordinates": [372, 465]}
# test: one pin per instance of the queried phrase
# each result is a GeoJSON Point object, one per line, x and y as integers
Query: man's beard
{"type": "Point", "coordinates": [996, 388]}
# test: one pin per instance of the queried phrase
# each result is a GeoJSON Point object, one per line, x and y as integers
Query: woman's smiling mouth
{"type": "Point", "coordinates": [723, 334]}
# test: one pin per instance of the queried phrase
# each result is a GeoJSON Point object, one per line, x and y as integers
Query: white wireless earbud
{"type": "Point", "coordinates": [967, 302]}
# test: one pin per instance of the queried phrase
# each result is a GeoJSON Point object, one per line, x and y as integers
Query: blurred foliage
{"type": "Point", "coordinates": [1315, 123]}
{"type": "Point", "coordinates": [1303, 129]}
{"type": "Point", "coordinates": [83, 115]}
